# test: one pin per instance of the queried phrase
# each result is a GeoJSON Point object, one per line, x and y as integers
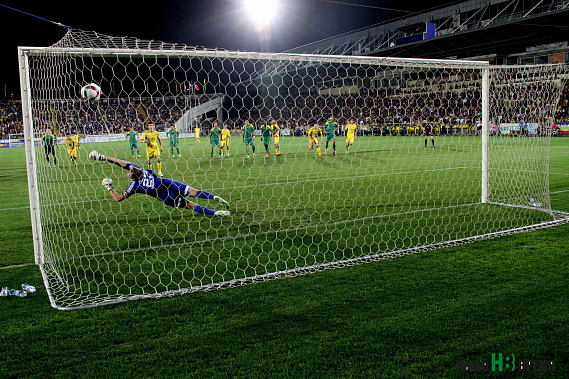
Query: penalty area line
{"type": "Point", "coordinates": [17, 266]}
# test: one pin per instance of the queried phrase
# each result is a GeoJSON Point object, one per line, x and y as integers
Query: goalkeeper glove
{"type": "Point", "coordinates": [107, 183]}
{"type": "Point", "coordinates": [94, 155]}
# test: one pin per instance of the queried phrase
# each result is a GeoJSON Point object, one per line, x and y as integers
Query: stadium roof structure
{"type": "Point", "coordinates": [473, 28]}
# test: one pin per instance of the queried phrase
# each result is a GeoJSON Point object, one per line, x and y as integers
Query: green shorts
{"type": "Point", "coordinates": [266, 140]}
{"type": "Point", "coordinates": [330, 137]}
{"type": "Point", "coordinates": [134, 145]}
{"type": "Point", "coordinates": [173, 143]}
{"type": "Point", "coordinates": [215, 143]}
{"type": "Point", "coordinates": [248, 141]}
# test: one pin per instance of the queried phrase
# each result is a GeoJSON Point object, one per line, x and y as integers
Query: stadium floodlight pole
{"type": "Point", "coordinates": [485, 132]}
{"type": "Point", "coordinates": [25, 90]}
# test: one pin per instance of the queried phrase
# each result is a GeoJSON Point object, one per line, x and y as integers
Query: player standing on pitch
{"type": "Point", "coordinates": [170, 192]}
{"type": "Point", "coordinates": [225, 134]}
{"type": "Point", "coordinates": [267, 133]}
{"type": "Point", "coordinates": [249, 137]}
{"type": "Point", "coordinates": [313, 135]}
{"type": "Point", "coordinates": [214, 139]}
{"type": "Point", "coordinates": [277, 136]}
{"type": "Point", "coordinates": [173, 134]}
{"type": "Point", "coordinates": [351, 132]}
{"type": "Point", "coordinates": [152, 139]}
{"type": "Point", "coordinates": [72, 143]}
{"type": "Point", "coordinates": [132, 136]}
{"type": "Point", "coordinates": [197, 130]}
{"type": "Point", "coordinates": [49, 142]}
{"type": "Point", "coordinates": [428, 131]}
{"type": "Point", "coordinates": [330, 131]}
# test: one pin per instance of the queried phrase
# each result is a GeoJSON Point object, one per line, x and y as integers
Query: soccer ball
{"type": "Point", "coordinates": [91, 92]}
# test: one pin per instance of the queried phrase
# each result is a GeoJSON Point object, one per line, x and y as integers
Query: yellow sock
{"type": "Point", "coordinates": [318, 150]}
{"type": "Point", "coordinates": [278, 151]}
{"type": "Point", "coordinates": [159, 166]}
{"type": "Point", "coordinates": [150, 166]}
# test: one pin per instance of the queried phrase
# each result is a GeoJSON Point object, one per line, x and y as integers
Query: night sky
{"type": "Point", "coordinates": [209, 23]}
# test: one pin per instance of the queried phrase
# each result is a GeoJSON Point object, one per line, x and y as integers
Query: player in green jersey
{"type": "Point", "coordinates": [267, 132]}
{"type": "Point", "coordinates": [214, 139]}
{"type": "Point", "coordinates": [49, 142]}
{"type": "Point", "coordinates": [173, 135]}
{"type": "Point", "coordinates": [132, 136]}
{"type": "Point", "coordinates": [330, 131]}
{"type": "Point", "coordinates": [249, 137]}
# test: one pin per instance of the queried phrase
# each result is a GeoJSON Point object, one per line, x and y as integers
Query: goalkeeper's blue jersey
{"type": "Point", "coordinates": [171, 193]}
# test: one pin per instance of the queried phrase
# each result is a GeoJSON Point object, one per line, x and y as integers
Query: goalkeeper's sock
{"type": "Point", "coordinates": [204, 210]}
{"type": "Point", "coordinates": [204, 195]}
{"type": "Point", "coordinates": [159, 166]}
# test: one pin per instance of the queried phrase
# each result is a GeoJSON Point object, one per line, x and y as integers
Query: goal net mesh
{"type": "Point", "coordinates": [394, 191]}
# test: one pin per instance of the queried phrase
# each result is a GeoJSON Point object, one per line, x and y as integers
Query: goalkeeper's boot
{"type": "Point", "coordinates": [221, 201]}
{"type": "Point", "coordinates": [222, 213]}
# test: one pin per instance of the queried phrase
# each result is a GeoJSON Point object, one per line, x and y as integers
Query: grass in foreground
{"type": "Point", "coordinates": [413, 316]}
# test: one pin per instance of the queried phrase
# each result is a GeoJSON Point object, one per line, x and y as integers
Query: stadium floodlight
{"type": "Point", "coordinates": [262, 11]}
{"type": "Point", "coordinates": [404, 156]}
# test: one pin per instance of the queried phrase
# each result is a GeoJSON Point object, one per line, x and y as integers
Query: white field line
{"type": "Point", "coordinates": [17, 266]}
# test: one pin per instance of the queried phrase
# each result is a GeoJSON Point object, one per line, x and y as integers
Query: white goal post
{"type": "Point", "coordinates": [443, 152]}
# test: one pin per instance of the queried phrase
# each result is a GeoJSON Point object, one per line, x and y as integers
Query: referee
{"type": "Point", "coordinates": [428, 130]}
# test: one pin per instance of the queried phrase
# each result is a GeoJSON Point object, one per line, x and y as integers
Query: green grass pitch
{"type": "Point", "coordinates": [414, 316]}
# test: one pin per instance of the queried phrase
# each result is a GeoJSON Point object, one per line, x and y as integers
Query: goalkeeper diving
{"type": "Point", "coordinates": [170, 192]}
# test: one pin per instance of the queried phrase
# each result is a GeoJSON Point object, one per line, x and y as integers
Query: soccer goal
{"type": "Point", "coordinates": [379, 158]}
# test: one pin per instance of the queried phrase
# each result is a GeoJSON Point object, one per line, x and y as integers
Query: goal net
{"type": "Point", "coordinates": [415, 155]}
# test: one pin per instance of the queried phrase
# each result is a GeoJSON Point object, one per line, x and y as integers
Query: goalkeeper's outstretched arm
{"type": "Point", "coordinates": [107, 182]}
{"type": "Point", "coordinates": [119, 162]}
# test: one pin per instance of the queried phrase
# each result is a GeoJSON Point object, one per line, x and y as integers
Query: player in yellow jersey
{"type": "Point", "coordinates": [72, 143]}
{"type": "Point", "coordinates": [225, 134]}
{"type": "Point", "coordinates": [351, 132]}
{"type": "Point", "coordinates": [313, 134]}
{"type": "Point", "coordinates": [197, 130]}
{"type": "Point", "coordinates": [153, 142]}
{"type": "Point", "coordinates": [276, 131]}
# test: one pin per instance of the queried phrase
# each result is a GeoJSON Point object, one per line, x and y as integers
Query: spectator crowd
{"type": "Point", "coordinates": [451, 108]}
